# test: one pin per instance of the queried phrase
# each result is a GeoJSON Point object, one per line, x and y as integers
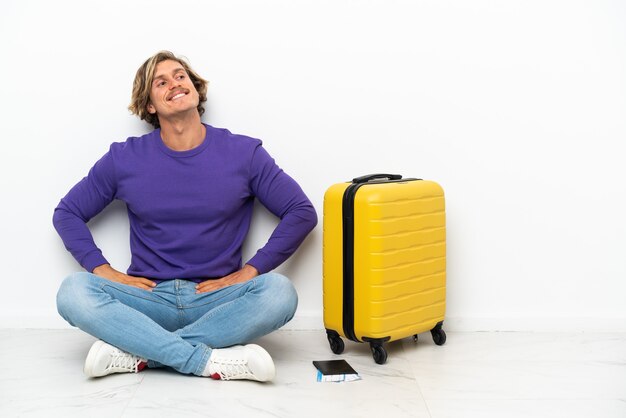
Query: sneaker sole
{"type": "Point", "coordinates": [91, 358]}
{"type": "Point", "coordinates": [268, 373]}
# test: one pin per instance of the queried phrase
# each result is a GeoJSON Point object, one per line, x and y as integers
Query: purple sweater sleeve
{"type": "Point", "coordinates": [84, 201]}
{"type": "Point", "coordinates": [282, 196]}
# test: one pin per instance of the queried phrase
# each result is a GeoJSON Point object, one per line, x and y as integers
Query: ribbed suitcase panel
{"type": "Point", "coordinates": [407, 271]}
{"type": "Point", "coordinates": [405, 208]}
{"type": "Point", "coordinates": [389, 292]}
{"type": "Point", "coordinates": [411, 302]}
{"type": "Point", "coordinates": [399, 259]}
{"type": "Point", "coordinates": [413, 255]}
{"type": "Point", "coordinates": [402, 240]}
{"type": "Point", "coordinates": [404, 324]}
{"type": "Point", "coordinates": [390, 226]}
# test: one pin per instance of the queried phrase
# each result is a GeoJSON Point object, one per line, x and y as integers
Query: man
{"type": "Point", "coordinates": [185, 301]}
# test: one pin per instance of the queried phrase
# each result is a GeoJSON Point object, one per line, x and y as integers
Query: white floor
{"type": "Point", "coordinates": [483, 374]}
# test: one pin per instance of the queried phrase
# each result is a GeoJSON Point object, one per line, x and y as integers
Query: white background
{"type": "Point", "coordinates": [517, 108]}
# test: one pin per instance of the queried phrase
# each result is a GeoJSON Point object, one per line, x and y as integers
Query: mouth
{"type": "Point", "coordinates": [177, 95]}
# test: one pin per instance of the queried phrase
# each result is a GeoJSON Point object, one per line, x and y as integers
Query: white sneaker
{"type": "Point", "coordinates": [249, 362]}
{"type": "Point", "coordinates": [105, 359]}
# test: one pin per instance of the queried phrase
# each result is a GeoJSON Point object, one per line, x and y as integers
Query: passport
{"type": "Point", "coordinates": [335, 371]}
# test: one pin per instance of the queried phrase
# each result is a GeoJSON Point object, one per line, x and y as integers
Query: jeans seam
{"type": "Point", "coordinates": [131, 294]}
{"type": "Point", "coordinates": [218, 309]}
{"type": "Point", "coordinates": [216, 300]}
{"type": "Point", "coordinates": [203, 361]}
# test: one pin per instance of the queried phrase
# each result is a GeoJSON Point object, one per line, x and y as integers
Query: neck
{"type": "Point", "coordinates": [182, 134]}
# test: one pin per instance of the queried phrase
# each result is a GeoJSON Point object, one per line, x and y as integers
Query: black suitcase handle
{"type": "Point", "coordinates": [370, 177]}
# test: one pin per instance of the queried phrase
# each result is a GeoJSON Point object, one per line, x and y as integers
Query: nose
{"type": "Point", "coordinates": [172, 82]}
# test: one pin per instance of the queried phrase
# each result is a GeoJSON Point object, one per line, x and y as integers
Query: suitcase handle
{"type": "Point", "coordinates": [370, 177]}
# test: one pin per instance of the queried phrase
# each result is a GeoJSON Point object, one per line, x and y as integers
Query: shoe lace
{"type": "Point", "coordinates": [231, 368]}
{"type": "Point", "coordinates": [124, 361]}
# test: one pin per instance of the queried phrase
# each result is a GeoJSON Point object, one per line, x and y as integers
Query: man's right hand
{"type": "Point", "coordinates": [107, 272]}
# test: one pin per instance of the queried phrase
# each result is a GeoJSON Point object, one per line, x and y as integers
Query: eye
{"type": "Point", "coordinates": [160, 83]}
{"type": "Point", "coordinates": [180, 76]}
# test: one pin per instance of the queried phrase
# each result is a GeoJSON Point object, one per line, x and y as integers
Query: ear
{"type": "Point", "coordinates": [151, 109]}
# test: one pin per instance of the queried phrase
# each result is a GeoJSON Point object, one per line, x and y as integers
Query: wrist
{"type": "Point", "coordinates": [251, 269]}
{"type": "Point", "coordinates": [104, 270]}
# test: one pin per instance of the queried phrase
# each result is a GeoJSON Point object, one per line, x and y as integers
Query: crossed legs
{"type": "Point", "coordinates": [172, 325]}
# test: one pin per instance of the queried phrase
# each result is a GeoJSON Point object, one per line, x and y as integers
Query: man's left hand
{"type": "Point", "coordinates": [246, 273]}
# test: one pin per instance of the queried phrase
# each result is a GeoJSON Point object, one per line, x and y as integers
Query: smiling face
{"type": "Point", "coordinates": [172, 92]}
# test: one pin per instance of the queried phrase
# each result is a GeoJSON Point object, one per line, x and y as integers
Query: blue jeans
{"type": "Point", "coordinates": [172, 325]}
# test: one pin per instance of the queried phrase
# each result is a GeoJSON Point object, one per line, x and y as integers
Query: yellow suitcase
{"type": "Point", "coordinates": [384, 261]}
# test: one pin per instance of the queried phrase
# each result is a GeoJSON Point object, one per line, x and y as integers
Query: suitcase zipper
{"type": "Point", "coordinates": [348, 260]}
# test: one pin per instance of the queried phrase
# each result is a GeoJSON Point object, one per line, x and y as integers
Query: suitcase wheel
{"type": "Point", "coordinates": [439, 335]}
{"type": "Point", "coordinates": [379, 353]}
{"type": "Point", "coordinates": [336, 343]}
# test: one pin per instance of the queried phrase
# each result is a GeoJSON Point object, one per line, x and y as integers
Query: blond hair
{"type": "Point", "coordinates": [140, 98]}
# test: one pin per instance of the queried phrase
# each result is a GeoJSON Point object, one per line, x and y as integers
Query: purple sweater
{"type": "Point", "coordinates": [189, 211]}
